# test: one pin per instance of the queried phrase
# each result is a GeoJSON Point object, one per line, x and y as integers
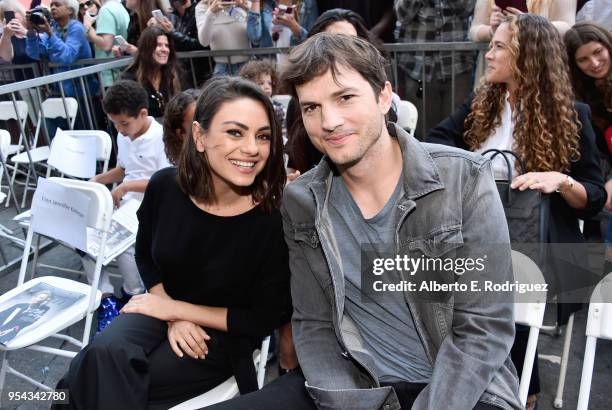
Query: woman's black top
{"type": "Point", "coordinates": [157, 98]}
{"type": "Point", "coordinates": [239, 262]}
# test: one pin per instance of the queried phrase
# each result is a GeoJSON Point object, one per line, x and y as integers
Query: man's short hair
{"type": "Point", "coordinates": [328, 51]}
{"type": "Point", "coordinates": [125, 97]}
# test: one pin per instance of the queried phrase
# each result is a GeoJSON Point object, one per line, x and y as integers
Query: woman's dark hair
{"type": "Point", "coordinates": [145, 64]}
{"type": "Point", "coordinates": [143, 13]}
{"type": "Point", "coordinates": [597, 96]}
{"type": "Point", "coordinates": [332, 16]}
{"type": "Point", "coordinates": [194, 173]}
{"type": "Point", "coordinates": [173, 122]}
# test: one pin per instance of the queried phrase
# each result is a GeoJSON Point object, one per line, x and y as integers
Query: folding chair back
{"type": "Point", "coordinates": [599, 326]}
{"type": "Point", "coordinates": [7, 112]}
{"type": "Point", "coordinates": [229, 388]}
{"type": "Point", "coordinates": [54, 108]}
{"type": "Point", "coordinates": [407, 116]}
{"type": "Point", "coordinates": [528, 310]}
{"type": "Point", "coordinates": [104, 144]}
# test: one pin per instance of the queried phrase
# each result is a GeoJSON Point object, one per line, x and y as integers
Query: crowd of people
{"type": "Point", "coordinates": [235, 240]}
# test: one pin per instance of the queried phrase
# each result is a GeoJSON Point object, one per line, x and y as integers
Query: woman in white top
{"type": "Point", "coordinates": [224, 27]}
{"type": "Point", "coordinates": [488, 16]}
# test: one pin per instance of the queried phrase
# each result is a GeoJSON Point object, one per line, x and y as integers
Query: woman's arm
{"type": "Point", "coordinates": [481, 29]}
{"type": "Point", "coordinates": [254, 18]}
{"type": "Point", "coordinates": [204, 22]}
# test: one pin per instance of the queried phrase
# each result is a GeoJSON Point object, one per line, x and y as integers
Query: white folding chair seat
{"type": "Point", "coordinates": [99, 217]}
{"type": "Point", "coordinates": [407, 116]}
{"type": "Point", "coordinates": [599, 326]}
{"type": "Point", "coordinates": [51, 108]}
{"type": "Point", "coordinates": [7, 112]}
{"type": "Point", "coordinates": [529, 311]}
{"type": "Point", "coordinates": [229, 388]}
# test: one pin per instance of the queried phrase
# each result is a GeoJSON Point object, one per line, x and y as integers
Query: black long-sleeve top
{"type": "Point", "coordinates": [185, 33]}
{"type": "Point", "coordinates": [239, 262]}
{"type": "Point", "coordinates": [563, 227]}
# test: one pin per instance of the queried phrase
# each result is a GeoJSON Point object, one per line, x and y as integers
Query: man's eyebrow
{"type": "Point", "coordinates": [334, 95]}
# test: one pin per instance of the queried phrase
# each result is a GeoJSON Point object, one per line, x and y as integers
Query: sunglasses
{"type": "Point", "coordinates": [88, 3]}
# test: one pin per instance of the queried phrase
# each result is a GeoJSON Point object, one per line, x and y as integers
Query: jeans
{"type": "Point", "coordinates": [227, 69]}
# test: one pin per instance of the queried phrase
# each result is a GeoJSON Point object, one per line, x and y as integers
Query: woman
{"type": "Point", "coordinates": [177, 121]}
{"type": "Point", "coordinates": [589, 51]}
{"type": "Point", "coordinates": [222, 26]}
{"type": "Point", "coordinates": [156, 68]}
{"type": "Point", "coordinates": [211, 252]}
{"type": "Point", "coordinates": [88, 11]}
{"type": "Point", "coordinates": [554, 140]}
{"type": "Point", "coordinates": [488, 16]}
{"type": "Point", "coordinates": [140, 14]}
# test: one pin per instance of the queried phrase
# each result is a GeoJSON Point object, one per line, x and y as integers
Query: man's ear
{"type": "Point", "coordinates": [143, 112]}
{"type": "Point", "coordinates": [385, 98]}
{"type": "Point", "coordinates": [198, 136]}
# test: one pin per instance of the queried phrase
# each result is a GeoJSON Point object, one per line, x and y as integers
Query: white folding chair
{"type": "Point", "coordinates": [5, 141]}
{"type": "Point", "coordinates": [529, 311]}
{"type": "Point", "coordinates": [407, 116]}
{"type": "Point", "coordinates": [7, 112]}
{"type": "Point", "coordinates": [599, 325]}
{"type": "Point", "coordinates": [99, 217]}
{"type": "Point", "coordinates": [229, 388]}
{"type": "Point", "coordinates": [104, 144]}
{"type": "Point", "coordinates": [51, 108]}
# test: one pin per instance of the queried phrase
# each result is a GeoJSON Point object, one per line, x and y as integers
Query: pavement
{"type": "Point", "coordinates": [49, 369]}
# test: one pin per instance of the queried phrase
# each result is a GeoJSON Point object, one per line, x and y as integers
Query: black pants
{"type": "Point", "coordinates": [288, 392]}
{"type": "Point", "coordinates": [131, 365]}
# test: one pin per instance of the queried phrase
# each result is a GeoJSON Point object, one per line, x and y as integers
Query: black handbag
{"type": "Point", "coordinates": [527, 212]}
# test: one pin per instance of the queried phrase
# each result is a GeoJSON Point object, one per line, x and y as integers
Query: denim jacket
{"type": "Point", "coordinates": [450, 200]}
{"type": "Point", "coordinates": [260, 24]}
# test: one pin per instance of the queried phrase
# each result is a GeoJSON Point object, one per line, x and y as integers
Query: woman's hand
{"type": "Point", "coordinates": [88, 21]}
{"type": "Point", "coordinates": [287, 20]}
{"type": "Point", "coordinates": [215, 6]}
{"type": "Point", "coordinates": [496, 18]}
{"type": "Point", "coordinates": [151, 305]}
{"type": "Point", "coordinates": [608, 187]}
{"type": "Point", "coordinates": [545, 182]}
{"type": "Point", "coordinates": [185, 336]}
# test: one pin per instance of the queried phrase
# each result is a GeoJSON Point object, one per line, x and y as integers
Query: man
{"type": "Point", "coordinates": [112, 20]}
{"type": "Point", "coordinates": [434, 21]}
{"type": "Point", "coordinates": [62, 41]}
{"type": "Point", "coordinates": [377, 187]}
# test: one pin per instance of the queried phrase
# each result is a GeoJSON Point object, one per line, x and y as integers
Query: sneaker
{"type": "Point", "coordinates": [107, 311]}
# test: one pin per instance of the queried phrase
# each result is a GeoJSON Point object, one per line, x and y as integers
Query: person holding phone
{"type": "Point", "coordinates": [112, 19]}
{"type": "Point", "coordinates": [488, 14]}
{"type": "Point", "coordinates": [141, 12]}
{"type": "Point", "coordinates": [12, 40]}
{"type": "Point", "coordinates": [222, 25]}
{"type": "Point", "coordinates": [298, 17]}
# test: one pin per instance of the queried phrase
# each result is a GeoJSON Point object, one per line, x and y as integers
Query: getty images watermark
{"type": "Point", "coordinates": [435, 272]}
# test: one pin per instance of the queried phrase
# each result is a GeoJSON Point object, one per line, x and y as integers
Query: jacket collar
{"type": "Point", "coordinates": [420, 173]}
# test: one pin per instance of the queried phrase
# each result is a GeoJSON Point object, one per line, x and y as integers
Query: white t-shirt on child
{"type": "Point", "coordinates": [142, 157]}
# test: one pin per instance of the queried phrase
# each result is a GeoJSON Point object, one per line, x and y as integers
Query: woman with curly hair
{"type": "Point", "coordinates": [156, 69]}
{"type": "Point", "coordinates": [525, 103]}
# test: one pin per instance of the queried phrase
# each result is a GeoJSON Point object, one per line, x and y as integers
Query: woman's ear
{"type": "Point", "coordinates": [198, 136]}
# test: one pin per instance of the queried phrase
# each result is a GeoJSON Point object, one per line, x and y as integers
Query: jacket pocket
{"type": "Point", "coordinates": [357, 399]}
{"type": "Point", "coordinates": [437, 242]}
{"type": "Point", "coordinates": [308, 241]}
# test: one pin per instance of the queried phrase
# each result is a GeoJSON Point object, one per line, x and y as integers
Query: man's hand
{"type": "Point", "coordinates": [118, 193]}
{"type": "Point", "coordinates": [118, 51]}
{"type": "Point", "coordinates": [187, 337]}
{"type": "Point", "coordinates": [151, 305]}
{"type": "Point", "coordinates": [166, 25]}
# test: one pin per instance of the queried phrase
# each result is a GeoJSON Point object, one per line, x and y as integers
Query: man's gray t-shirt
{"type": "Point", "coordinates": [387, 329]}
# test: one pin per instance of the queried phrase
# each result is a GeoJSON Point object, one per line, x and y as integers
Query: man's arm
{"type": "Point", "coordinates": [482, 331]}
{"type": "Point", "coordinates": [67, 52]}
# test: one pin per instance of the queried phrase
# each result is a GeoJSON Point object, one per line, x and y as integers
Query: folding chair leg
{"type": "Point", "coordinates": [35, 257]}
{"type": "Point", "coordinates": [587, 373]}
{"type": "Point", "coordinates": [3, 369]}
{"type": "Point", "coordinates": [532, 344]}
{"type": "Point", "coordinates": [8, 197]}
{"type": "Point", "coordinates": [26, 186]}
{"type": "Point", "coordinates": [558, 403]}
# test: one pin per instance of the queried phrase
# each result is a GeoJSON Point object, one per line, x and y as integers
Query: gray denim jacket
{"type": "Point", "coordinates": [450, 200]}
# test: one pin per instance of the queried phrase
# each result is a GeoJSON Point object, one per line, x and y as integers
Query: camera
{"type": "Point", "coordinates": [38, 15]}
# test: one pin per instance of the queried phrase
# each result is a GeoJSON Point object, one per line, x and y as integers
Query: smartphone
{"type": "Point", "coordinates": [8, 16]}
{"type": "Point", "coordinates": [282, 9]}
{"type": "Point", "coordinates": [227, 3]}
{"type": "Point", "coordinates": [159, 16]}
{"type": "Point", "coordinates": [121, 42]}
{"type": "Point", "coordinates": [517, 4]}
